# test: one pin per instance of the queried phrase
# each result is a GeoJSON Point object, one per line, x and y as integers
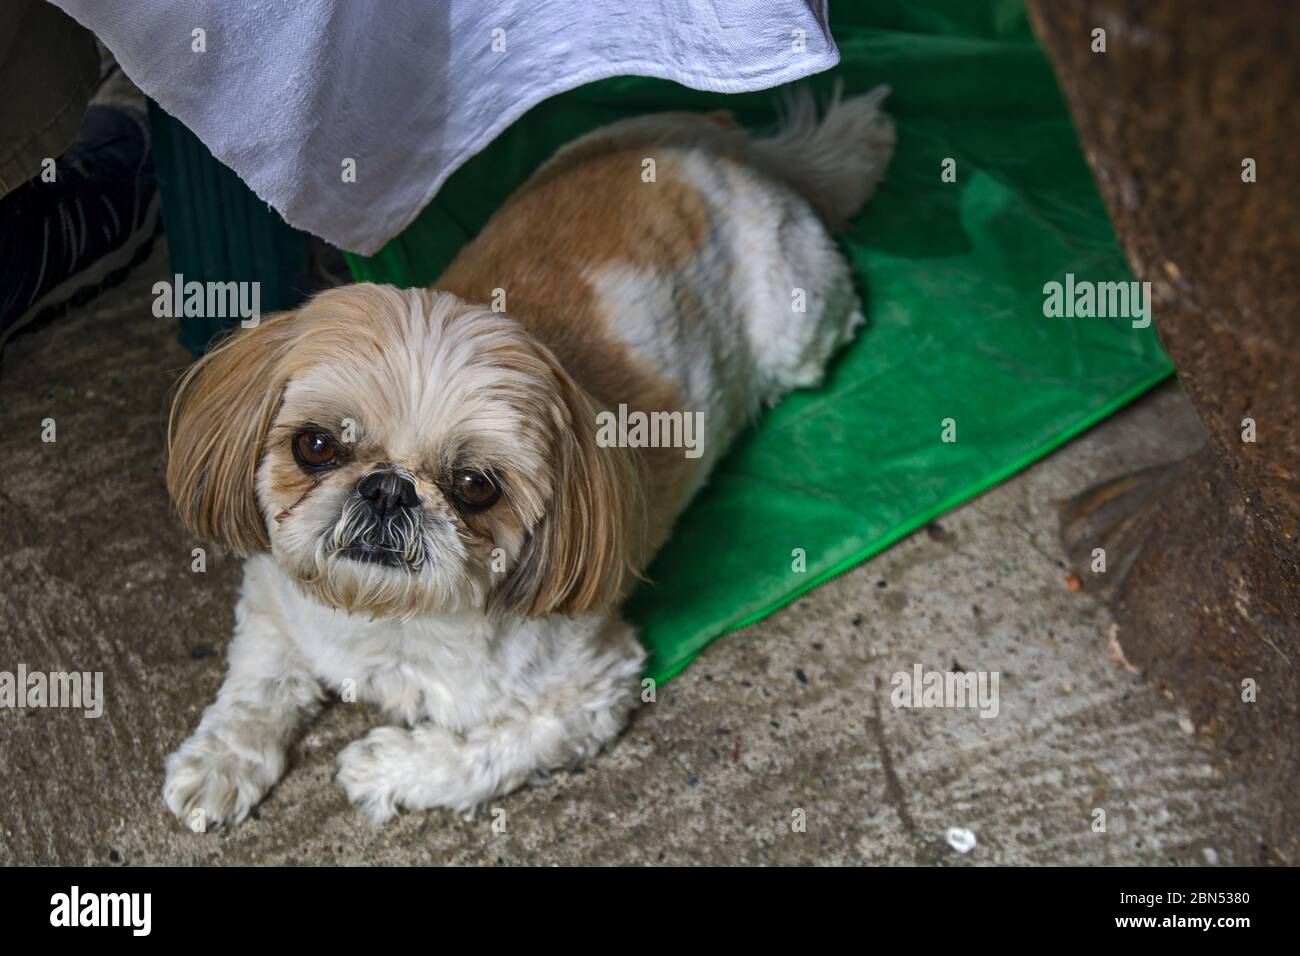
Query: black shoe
{"type": "Point", "coordinates": [63, 242]}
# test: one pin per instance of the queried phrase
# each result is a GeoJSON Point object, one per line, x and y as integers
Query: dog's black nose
{"type": "Point", "coordinates": [388, 492]}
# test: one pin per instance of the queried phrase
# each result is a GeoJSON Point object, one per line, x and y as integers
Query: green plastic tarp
{"type": "Point", "coordinates": [953, 273]}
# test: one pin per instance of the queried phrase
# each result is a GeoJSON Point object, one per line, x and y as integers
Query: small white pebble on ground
{"type": "Point", "coordinates": [960, 839]}
{"type": "Point", "coordinates": [1210, 856]}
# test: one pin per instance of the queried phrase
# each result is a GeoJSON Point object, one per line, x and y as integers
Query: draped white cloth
{"type": "Point", "coordinates": [289, 93]}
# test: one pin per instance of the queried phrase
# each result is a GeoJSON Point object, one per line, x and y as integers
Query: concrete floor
{"type": "Point", "coordinates": [791, 714]}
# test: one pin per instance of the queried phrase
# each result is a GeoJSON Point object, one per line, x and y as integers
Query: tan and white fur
{"type": "Point", "coordinates": [490, 633]}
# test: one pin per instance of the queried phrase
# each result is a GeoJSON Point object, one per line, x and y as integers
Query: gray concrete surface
{"type": "Point", "coordinates": [95, 575]}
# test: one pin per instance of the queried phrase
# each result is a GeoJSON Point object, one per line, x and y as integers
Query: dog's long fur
{"type": "Point", "coordinates": [492, 636]}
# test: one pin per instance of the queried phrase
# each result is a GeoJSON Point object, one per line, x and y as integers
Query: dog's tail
{"type": "Point", "coordinates": [836, 160]}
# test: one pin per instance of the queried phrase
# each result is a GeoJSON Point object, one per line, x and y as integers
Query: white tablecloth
{"type": "Point", "coordinates": [286, 91]}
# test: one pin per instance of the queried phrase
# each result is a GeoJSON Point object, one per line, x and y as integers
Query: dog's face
{"type": "Point", "coordinates": [403, 452]}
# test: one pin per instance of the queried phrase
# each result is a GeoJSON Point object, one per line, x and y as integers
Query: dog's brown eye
{"type": "Point", "coordinates": [314, 449]}
{"type": "Point", "coordinates": [475, 489]}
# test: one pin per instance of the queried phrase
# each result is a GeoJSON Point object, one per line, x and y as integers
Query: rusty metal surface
{"type": "Point", "coordinates": [1185, 94]}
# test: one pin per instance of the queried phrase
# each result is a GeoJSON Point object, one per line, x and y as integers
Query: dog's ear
{"type": "Point", "coordinates": [589, 545]}
{"type": "Point", "coordinates": [223, 407]}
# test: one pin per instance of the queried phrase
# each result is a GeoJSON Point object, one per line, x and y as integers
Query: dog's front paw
{"type": "Point", "coordinates": [209, 784]}
{"type": "Point", "coordinates": [392, 768]}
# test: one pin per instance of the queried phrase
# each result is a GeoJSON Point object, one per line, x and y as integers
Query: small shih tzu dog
{"type": "Point", "coordinates": [432, 519]}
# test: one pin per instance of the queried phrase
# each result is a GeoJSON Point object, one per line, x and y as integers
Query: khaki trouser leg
{"type": "Point", "coordinates": [49, 67]}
